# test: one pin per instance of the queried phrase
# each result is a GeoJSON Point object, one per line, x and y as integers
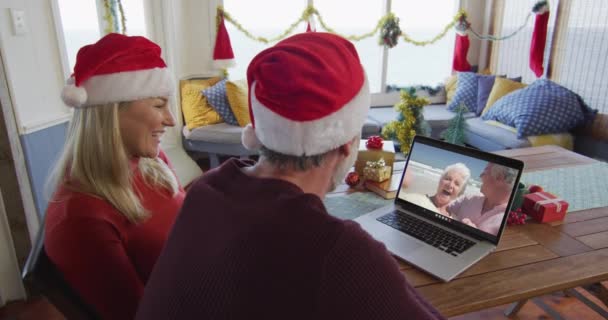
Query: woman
{"type": "Point", "coordinates": [116, 196]}
{"type": "Point", "coordinates": [452, 183]}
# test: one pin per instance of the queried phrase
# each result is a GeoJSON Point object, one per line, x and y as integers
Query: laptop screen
{"type": "Point", "coordinates": [470, 189]}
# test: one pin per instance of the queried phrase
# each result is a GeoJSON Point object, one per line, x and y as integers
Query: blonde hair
{"type": "Point", "coordinates": [94, 161]}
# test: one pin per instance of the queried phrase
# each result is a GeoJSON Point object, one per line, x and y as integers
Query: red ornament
{"type": "Point", "coordinates": [535, 188]}
{"type": "Point", "coordinates": [516, 217]}
{"type": "Point", "coordinates": [374, 142]}
{"type": "Point", "coordinates": [352, 179]}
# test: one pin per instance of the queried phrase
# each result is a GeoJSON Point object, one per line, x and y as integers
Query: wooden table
{"type": "Point", "coordinates": [532, 259]}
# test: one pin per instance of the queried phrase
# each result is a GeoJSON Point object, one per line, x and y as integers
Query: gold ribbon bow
{"type": "Point", "coordinates": [376, 164]}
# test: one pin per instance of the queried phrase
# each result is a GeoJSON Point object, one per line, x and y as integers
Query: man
{"type": "Point", "coordinates": [254, 241]}
{"type": "Point", "coordinates": [485, 211]}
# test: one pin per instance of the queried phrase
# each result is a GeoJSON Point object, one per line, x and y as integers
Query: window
{"type": "Point", "coordinates": [361, 18]}
{"type": "Point", "coordinates": [406, 65]}
{"type": "Point", "coordinates": [263, 18]}
{"type": "Point", "coordinates": [580, 50]}
{"type": "Point", "coordinates": [429, 65]}
{"type": "Point", "coordinates": [136, 22]}
{"type": "Point", "coordinates": [81, 23]}
{"type": "Point", "coordinates": [80, 26]}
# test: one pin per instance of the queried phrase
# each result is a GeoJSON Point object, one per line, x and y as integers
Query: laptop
{"type": "Point", "coordinates": [443, 223]}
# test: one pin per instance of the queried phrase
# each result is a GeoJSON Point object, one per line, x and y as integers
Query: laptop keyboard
{"type": "Point", "coordinates": [437, 237]}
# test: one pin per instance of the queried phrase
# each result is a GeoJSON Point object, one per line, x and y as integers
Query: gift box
{"type": "Point", "coordinates": [376, 170]}
{"type": "Point", "coordinates": [377, 174]}
{"type": "Point", "coordinates": [386, 152]}
{"type": "Point", "coordinates": [545, 207]}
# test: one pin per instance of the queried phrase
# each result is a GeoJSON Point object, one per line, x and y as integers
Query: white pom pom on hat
{"type": "Point", "coordinates": [72, 95]}
{"type": "Point", "coordinates": [250, 139]}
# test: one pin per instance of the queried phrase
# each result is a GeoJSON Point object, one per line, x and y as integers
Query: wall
{"type": "Point", "coordinates": [35, 78]}
{"type": "Point", "coordinates": [33, 69]}
{"type": "Point", "coordinates": [41, 150]}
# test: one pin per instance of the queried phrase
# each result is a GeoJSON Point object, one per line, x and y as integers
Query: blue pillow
{"type": "Point", "coordinates": [543, 107]}
{"type": "Point", "coordinates": [217, 98]}
{"type": "Point", "coordinates": [484, 87]}
{"type": "Point", "coordinates": [466, 92]}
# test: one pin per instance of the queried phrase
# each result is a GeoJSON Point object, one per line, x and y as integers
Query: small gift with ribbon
{"type": "Point", "coordinates": [545, 207]}
{"type": "Point", "coordinates": [377, 170]}
{"type": "Point", "coordinates": [374, 149]}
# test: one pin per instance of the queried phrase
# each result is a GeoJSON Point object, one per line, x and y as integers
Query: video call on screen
{"type": "Point", "coordinates": [472, 191]}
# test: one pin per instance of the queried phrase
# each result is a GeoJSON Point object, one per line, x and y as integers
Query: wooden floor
{"type": "Point", "coordinates": [569, 308]}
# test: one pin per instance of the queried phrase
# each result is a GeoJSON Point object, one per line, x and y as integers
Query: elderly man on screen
{"type": "Point", "coordinates": [254, 240]}
{"type": "Point", "coordinates": [485, 211]}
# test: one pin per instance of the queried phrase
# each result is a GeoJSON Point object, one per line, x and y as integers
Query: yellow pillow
{"type": "Point", "coordinates": [502, 87]}
{"type": "Point", "coordinates": [197, 112]}
{"type": "Point", "coordinates": [239, 103]}
{"type": "Point", "coordinates": [450, 88]}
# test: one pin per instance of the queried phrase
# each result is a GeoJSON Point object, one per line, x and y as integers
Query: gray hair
{"type": "Point", "coordinates": [460, 168]}
{"type": "Point", "coordinates": [507, 174]}
{"type": "Point", "coordinates": [298, 163]}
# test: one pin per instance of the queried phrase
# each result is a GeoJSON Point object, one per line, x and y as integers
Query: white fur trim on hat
{"type": "Point", "coordinates": [122, 86]}
{"type": "Point", "coordinates": [224, 63]}
{"type": "Point", "coordinates": [314, 137]}
{"type": "Point", "coordinates": [250, 139]}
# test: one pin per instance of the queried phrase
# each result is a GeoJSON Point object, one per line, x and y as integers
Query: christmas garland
{"type": "Point", "coordinates": [387, 22]}
{"type": "Point", "coordinates": [388, 26]}
{"type": "Point", "coordinates": [112, 9]}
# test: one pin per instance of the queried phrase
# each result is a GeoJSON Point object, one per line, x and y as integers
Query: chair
{"type": "Point", "coordinates": [40, 276]}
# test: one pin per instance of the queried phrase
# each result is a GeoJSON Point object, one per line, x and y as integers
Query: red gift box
{"type": "Point", "coordinates": [545, 207]}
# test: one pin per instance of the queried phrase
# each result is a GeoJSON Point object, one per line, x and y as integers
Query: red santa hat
{"type": "Point", "coordinates": [307, 95]}
{"type": "Point", "coordinates": [117, 68]}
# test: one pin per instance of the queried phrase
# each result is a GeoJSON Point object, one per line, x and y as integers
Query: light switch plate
{"type": "Point", "coordinates": [19, 23]}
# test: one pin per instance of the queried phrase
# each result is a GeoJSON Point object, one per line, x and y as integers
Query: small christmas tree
{"type": "Point", "coordinates": [410, 120]}
{"type": "Point", "coordinates": [455, 131]}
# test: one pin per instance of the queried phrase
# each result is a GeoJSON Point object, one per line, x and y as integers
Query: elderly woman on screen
{"type": "Point", "coordinates": [452, 184]}
{"type": "Point", "coordinates": [115, 195]}
{"type": "Point", "coordinates": [486, 210]}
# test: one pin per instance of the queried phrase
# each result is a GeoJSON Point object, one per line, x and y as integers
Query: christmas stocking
{"type": "Point", "coordinates": [539, 37]}
{"type": "Point", "coordinates": [461, 48]}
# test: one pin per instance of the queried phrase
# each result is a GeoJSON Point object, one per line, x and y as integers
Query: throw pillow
{"type": "Point", "coordinates": [543, 107]}
{"type": "Point", "coordinates": [466, 92]}
{"type": "Point", "coordinates": [216, 95]}
{"type": "Point", "coordinates": [484, 87]}
{"type": "Point", "coordinates": [501, 88]}
{"type": "Point", "coordinates": [197, 112]}
{"type": "Point", "coordinates": [238, 100]}
{"type": "Point", "coordinates": [450, 88]}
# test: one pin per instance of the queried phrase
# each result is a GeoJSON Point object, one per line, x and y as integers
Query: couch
{"type": "Point", "coordinates": [222, 139]}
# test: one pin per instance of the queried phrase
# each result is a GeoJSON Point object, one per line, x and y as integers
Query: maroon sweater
{"type": "Point", "coordinates": [102, 255]}
{"type": "Point", "coordinates": [251, 248]}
